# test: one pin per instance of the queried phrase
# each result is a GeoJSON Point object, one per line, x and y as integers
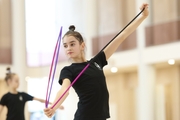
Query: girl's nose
{"type": "Point", "coordinates": [69, 48]}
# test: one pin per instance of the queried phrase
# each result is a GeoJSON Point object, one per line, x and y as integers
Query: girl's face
{"type": "Point", "coordinates": [72, 47]}
{"type": "Point", "coordinates": [14, 82]}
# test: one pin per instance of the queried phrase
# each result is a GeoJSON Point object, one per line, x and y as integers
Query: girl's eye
{"type": "Point", "coordinates": [72, 44]}
{"type": "Point", "coordinates": [65, 46]}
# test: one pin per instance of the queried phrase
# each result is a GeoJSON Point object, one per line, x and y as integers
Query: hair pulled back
{"type": "Point", "coordinates": [9, 74]}
{"type": "Point", "coordinates": [74, 33]}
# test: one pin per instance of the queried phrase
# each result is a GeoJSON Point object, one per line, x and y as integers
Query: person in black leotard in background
{"type": "Point", "coordinates": [15, 100]}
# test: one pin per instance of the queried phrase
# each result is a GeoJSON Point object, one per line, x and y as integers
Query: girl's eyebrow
{"type": "Point", "coordinates": [70, 42]}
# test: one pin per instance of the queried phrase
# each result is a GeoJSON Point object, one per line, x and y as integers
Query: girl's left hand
{"type": "Point", "coordinates": [49, 112]}
{"type": "Point", "coordinates": [61, 107]}
{"type": "Point", "coordinates": [146, 11]}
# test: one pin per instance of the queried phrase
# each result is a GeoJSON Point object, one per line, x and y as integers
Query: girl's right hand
{"type": "Point", "coordinates": [49, 112]}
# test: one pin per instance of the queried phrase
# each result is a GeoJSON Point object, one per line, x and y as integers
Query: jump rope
{"type": "Point", "coordinates": [55, 60]}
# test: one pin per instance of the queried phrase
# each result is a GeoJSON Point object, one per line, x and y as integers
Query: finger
{"type": "Point", "coordinates": [47, 112]}
{"type": "Point", "coordinates": [61, 107]}
{"type": "Point", "coordinates": [46, 109]}
{"type": "Point", "coordinates": [50, 115]}
{"type": "Point", "coordinates": [144, 5]}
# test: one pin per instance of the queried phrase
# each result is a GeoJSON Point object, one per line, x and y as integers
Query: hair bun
{"type": "Point", "coordinates": [72, 28]}
{"type": "Point", "coordinates": [8, 69]}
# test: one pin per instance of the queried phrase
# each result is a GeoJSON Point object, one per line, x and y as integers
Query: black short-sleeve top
{"type": "Point", "coordinates": [15, 104]}
{"type": "Point", "coordinates": [91, 88]}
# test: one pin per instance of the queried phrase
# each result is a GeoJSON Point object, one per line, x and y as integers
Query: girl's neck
{"type": "Point", "coordinates": [79, 59]}
{"type": "Point", "coordinates": [13, 91]}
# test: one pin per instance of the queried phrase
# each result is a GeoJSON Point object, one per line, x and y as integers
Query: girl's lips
{"type": "Point", "coordinates": [70, 52]}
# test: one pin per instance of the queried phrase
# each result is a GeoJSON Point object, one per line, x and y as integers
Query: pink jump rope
{"type": "Point", "coordinates": [55, 57]}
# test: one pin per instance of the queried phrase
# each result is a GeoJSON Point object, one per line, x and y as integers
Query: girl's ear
{"type": "Point", "coordinates": [83, 45]}
{"type": "Point", "coordinates": [8, 81]}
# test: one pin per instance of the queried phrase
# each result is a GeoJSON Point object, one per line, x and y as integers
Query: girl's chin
{"type": "Point", "coordinates": [17, 87]}
{"type": "Point", "coordinates": [71, 56]}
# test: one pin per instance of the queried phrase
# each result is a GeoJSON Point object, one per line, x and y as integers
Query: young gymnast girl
{"type": "Point", "coordinates": [15, 100]}
{"type": "Point", "coordinates": [91, 86]}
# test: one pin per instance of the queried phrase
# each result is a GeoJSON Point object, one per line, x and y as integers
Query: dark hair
{"type": "Point", "coordinates": [74, 33]}
{"type": "Point", "coordinates": [9, 75]}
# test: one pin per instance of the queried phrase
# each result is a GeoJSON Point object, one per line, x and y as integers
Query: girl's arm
{"type": "Point", "coordinates": [1, 108]}
{"type": "Point", "coordinates": [39, 99]}
{"type": "Point", "coordinates": [112, 47]}
{"type": "Point", "coordinates": [43, 101]}
{"type": "Point", "coordinates": [48, 111]}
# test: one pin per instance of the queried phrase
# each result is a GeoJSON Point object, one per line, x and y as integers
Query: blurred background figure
{"type": "Point", "coordinates": [15, 100]}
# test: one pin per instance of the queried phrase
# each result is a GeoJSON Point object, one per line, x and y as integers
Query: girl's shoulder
{"type": "Point", "coordinates": [6, 94]}
{"type": "Point", "coordinates": [67, 67]}
{"type": "Point", "coordinates": [73, 68]}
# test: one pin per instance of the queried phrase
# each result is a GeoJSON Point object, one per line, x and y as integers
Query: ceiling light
{"type": "Point", "coordinates": [171, 61]}
{"type": "Point", "coordinates": [114, 69]}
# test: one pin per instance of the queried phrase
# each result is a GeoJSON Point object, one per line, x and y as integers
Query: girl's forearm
{"type": "Point", "coordinates": [133, 26]}
{"type": "Point", "coordinates": [110, 49]}
{"type": "Point", "coordinates": [58, 95]}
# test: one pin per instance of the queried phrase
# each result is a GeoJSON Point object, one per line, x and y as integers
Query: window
{"type": "Point", "coordinates": [42, 31]}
